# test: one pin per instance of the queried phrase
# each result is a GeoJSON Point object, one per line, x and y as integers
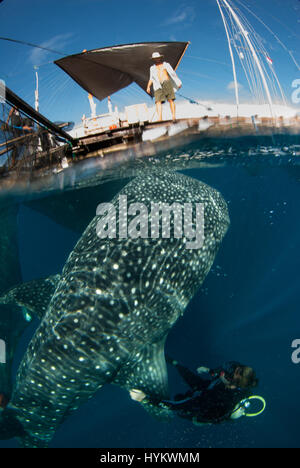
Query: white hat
{"type": "Point", "coordinates": [156, 55]}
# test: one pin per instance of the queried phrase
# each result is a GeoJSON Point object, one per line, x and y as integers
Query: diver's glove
{"type": "Point", "coordinates": [137, 395]}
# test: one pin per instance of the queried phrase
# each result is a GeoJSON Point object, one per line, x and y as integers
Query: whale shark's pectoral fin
{"type": "Point", "coordinates": [148, 373]}
{"type": "Point", "coordinates": [34, 296]}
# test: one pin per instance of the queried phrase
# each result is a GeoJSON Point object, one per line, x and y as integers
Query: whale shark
{"type": "Point", "coordinates": [106, 317]}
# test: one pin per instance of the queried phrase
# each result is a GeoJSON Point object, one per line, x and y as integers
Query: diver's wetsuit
{"type": "Point", "coordinates": [209, 400]}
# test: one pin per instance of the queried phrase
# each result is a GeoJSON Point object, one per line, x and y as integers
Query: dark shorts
{"type": "Point", "coordinates": [165, 93]}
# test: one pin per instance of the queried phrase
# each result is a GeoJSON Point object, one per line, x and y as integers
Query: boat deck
{"type": "Point", "coordinates": [135, 143]}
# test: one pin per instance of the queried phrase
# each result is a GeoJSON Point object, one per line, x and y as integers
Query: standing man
{"type": "Point", "coordinates": [164, 80]}
{"type": "Point", "coordinates": [16, 129]}
{"type": "Point", "coordinates": [20, 127]}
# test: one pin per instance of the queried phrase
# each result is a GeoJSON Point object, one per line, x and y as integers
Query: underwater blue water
{"type": "Point", "coordinates": [247, 310]}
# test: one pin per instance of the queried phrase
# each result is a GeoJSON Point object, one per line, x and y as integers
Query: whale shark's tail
{"type": "Point", "coordinates": [10, 426]}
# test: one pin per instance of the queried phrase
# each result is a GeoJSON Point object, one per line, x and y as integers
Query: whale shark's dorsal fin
{"type": "Point", "coordinates": [34, 296]}
{"type": "Point", "coordinates": [147, 372]}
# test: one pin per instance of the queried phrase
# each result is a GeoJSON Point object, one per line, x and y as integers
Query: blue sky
{"type": "Point", "coordinates": [70, 26]}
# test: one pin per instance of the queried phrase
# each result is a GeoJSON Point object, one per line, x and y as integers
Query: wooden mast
{"type": "Point", "coordinates": [182, 55]}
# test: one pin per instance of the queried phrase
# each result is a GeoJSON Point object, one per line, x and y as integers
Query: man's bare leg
{"type": "Point", "coordinates": [173, 110]}
{"type": "Point", "coordinates": [159, 111]}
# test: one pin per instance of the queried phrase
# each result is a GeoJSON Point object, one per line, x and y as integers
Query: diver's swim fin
{"type": "Point", "coordinates": [171, 361]}
{"type": "Point", "coordinates": [34, 296]}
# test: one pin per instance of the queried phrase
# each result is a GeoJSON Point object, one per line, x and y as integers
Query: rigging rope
{"type": "Point", "coordinates": [31, 45]}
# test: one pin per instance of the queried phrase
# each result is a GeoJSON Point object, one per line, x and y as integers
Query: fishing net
{"type": "Point", "coordinates": [25, 145]}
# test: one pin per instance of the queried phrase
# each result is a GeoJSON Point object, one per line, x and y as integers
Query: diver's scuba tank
{"type": "Point", "coordinates": [242, 407]}
{"type": "Point", "coordinates": [239, 411]}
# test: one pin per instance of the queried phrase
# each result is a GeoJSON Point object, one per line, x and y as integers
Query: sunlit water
{"type": "Point", "coordinates": [247, 309]}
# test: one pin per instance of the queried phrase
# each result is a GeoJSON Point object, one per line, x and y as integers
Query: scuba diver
{"type": "Point", "coordinates": [214, 396]}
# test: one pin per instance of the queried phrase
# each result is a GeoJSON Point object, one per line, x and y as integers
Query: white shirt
{"type": "Point", "coordinates": [155, 80]}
